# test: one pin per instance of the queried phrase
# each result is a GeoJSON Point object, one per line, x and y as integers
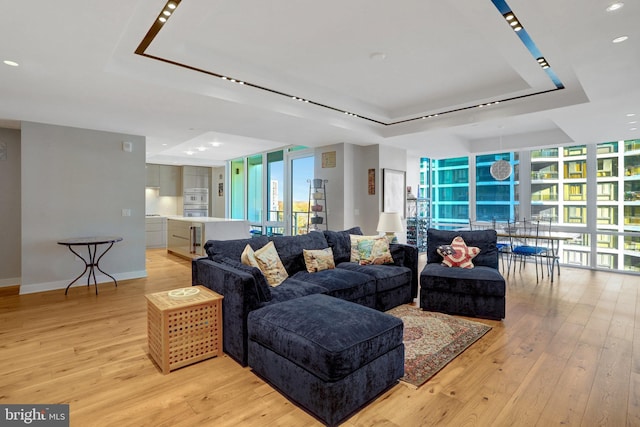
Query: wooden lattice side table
{"type": "Point", "coordinates": [184, 329]}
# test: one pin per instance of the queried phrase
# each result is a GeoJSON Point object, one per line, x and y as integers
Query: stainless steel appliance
{"type": "Point", "coordinates": [195, 202]}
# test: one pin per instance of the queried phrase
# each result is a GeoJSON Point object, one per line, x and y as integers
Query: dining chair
{"type": "Point", "coordinates": [524, 241]}
{"type": "Point", "coordinates": [503, 244]}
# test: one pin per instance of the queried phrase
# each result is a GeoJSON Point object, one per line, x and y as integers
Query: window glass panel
{"type": "Point", "coordinates": [301, 172]}
{"type": "Point", "coordinates": [254, 188]}
{"type": "Point", "coordinates": [575, 169]}
{"type": "Point", "coordinates": [574, 192]}
{"type": "Point", "coordinates": [275, 179]}
{"type": "Point", "coordinates": [237, 189]}
{"type": "Point", "coordinates": [579, 150]}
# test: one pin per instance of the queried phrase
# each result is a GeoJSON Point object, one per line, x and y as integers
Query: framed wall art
{"type": "Point", "coordinates": [393, 191]}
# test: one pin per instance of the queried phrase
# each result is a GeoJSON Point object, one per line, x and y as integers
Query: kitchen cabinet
{"type": "Point", "coordinates": [170, 180]}
{"type": "Point", "coordinates": [153, 175]}
{"type": "Point", "coordinates": [156, 232]}
{"type": "Point", "coordinates": [179, 238]}
{"type": "Point", "coordinates": [186, 236]}
{"type": "Point", "coordinates": [195, 177]}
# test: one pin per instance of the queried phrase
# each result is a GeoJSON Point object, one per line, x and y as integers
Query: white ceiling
{"type": "Point", "coordinates": [386, 62]}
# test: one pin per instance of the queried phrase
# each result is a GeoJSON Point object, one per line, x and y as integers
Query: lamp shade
{"type": "Point", "coordinates": [390, 222]}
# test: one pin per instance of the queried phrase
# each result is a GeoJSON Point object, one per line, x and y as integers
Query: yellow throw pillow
{"type": "Point", "coordinates": [355, 238]}
{"type": "Point", "coordinates": [318, 259]}
{"type": "Point", "coordinates": [248, 257]}
{"type": "Point", "coordinates": [375, 251]}
{"type": "Point", "coordinates": [270, 264]}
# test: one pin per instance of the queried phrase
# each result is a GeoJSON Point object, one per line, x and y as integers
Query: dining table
{"type": "Point", "coordinates": [552, 237]}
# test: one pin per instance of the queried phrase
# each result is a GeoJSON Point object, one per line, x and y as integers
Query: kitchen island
{"type": "Point", "coordinates": [186, 236]}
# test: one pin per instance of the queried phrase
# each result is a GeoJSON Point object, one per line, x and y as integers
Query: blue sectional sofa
{"type": "Point", "coordinates": [244, 288]}
{"type": "Point", "coordinates": [475, 292]}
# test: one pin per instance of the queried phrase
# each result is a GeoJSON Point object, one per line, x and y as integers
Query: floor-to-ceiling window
{"type": "Point", "coordinates": [271, 190]}
{"type": "Point", "coordinates": [275, 195]}
{"type": "Point", "coordinates": [255, 189]}
{"type": "Point", "coordinates": [236, 196]}
{"type": "Point", "coordinates": [302, 169]}
{"type": "Point", "coordinates": [450, 192]}
{"type": "Point", "coordinates": [591, 190]}
{"type": "Point", "coordinates": [496, 199]}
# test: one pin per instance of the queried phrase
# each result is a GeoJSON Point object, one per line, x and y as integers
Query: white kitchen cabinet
{"type": "Point", "coordinates": [170, 180]}
{"type": "Point", "coordinates": [153, 175]}
{"type": "Point", "coordinates": [156, 232]}
{"type": "Point", "coordinates": [195, 177]}
{"type": "Point", "coordinates": [186, 236]}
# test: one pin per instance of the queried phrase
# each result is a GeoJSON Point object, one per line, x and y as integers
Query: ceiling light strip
{"type": "Point", "coordinates": [519, 29]}
{"type": "Point", "coordinates": [501, 5]}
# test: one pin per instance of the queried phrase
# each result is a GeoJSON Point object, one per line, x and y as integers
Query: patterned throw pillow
{"type": "Point", "coordinates": [248, 257]}
{"type": "Point", "coordinates": [318, 259]}
{"type": "Point", "coordinates": [458, 254]}
{"type": "Point", "coordinates": [375, 251]}
{"type": "Point", "coordinates": [355, 238]}
{"type": "Point", "coordinates": [270, 264]}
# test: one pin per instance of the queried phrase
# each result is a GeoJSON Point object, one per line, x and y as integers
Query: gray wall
{"type": "Point", "coordinates": [75, 183]}
{"type": "Point", "coordinates": [10, 208]}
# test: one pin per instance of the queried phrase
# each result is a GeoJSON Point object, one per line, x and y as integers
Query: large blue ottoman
{"type": "Point", "coordinates": [329, 355]}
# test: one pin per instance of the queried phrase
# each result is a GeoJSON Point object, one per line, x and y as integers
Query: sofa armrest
{"type": "Point", "coordinates": [411, 262]}
{"type": "Point", "coordinates": [240, 298]}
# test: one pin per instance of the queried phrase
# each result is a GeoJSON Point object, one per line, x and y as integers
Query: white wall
{"type": "Point", "coordinates": [10, 208]}
{"type": "Point", "coordinates": [350, 203]}
{"type": "Point", "coordinates": [75, 183]}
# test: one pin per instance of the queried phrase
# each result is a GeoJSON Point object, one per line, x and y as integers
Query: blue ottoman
{"type": "Point", "coordinates": [329, 355]}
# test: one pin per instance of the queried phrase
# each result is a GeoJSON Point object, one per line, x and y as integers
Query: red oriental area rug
{"type": "Point", "coordinates": [431, 340]}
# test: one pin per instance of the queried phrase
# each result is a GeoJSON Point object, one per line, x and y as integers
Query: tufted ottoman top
{"type": "Point", "coordinates": [327, 336]}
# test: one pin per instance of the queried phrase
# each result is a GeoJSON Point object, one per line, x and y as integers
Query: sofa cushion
{"type": "Point", "coordinates": [290, 249]}
{"type": "Point", "coordinates": [329, 337]}
{"type": "Point", "coordinates": [293, 288]}
{"type": "Point", "coordinates": [341, 283]}
{"type": "Point", "coordinates": [480, 280]}
{"type": "Point", "coordinates": [387, 276]}
{"type": "Point", "coordinates": [318, 259]}
{"type": "Point", "coordinates": [340, 243]}
{"type": "Point", "coordinates": [233, 248]}
{"type": "Point", "coordinates": [270, 264]}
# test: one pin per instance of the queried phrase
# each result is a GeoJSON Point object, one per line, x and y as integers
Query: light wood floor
{"type": "Point", "coordinates": [568, 353]}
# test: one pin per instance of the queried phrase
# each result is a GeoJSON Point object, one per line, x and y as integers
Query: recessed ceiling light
{"type": "Point", "coordinates": [378, 56]}
{"type": "Point", "coordinates": [633, 122]}
{"type": "Point", "coordinates": [620, 39]}
{"type": "Point", "coordinates": [11, 63]}
{"type": "Point", "coordinates": [633, 128]}
{"type": "Point", "coordinates": [631, 114]}
{"type": "Point", "coordinates": [615, 6]}
{"type": "Point", "coordinates": [202, 148]}
{"type": "Point", "coordinates": [162, 19]}
{"type": "Point", "coordinates": [215, 144]}
{"type": "Point", "coordinates": [171, 5]}
{"type": "Point", "coordinates": [189, 152]}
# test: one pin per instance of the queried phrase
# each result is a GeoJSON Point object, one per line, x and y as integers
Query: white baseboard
{"type": "Point", "coordinates": [61, 284]}
{"type": "Point", "coordinates": [11, 281]}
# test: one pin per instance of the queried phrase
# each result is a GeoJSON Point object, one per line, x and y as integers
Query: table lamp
{"type": "Point", "coordinates": [390, 223]}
